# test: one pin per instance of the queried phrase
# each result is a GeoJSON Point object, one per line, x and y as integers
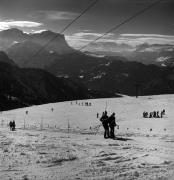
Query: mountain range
{"type": "Point", "coordinates": [4, 58]}
{"type": "Point", "coordinates": [99, 74]}
{"type": "Point", "coordinates": [10, 37]}
{"type": "Point", "coordinates": [158, 54]}
{"type": "Point", "coordinates": [23, 48]}
{"type": "Point", "coordinates": [115, 75]}
{"type": "Point", "coordinates": [23, 87]}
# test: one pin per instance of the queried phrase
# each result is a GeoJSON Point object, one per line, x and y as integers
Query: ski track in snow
{"type": "Point", "coordinates": [44, 150]}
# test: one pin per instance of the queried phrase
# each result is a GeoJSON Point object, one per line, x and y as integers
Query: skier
{"type": "Point", "coordinates": [162, 113]}
{"type": "Point", "coordinates": [104, 120]}
{"type": "Point", "coordinates": [146, 115]}
{"type": "Point", "coordinates": [157, 114]}
{"type": "Point", "coordinates": [112, 125]}
{"type": "Point", "coordinates": [13, 125]}
{"type": "Point", "coordinates": [97, 115]}
{"type": "Point", "coordinates": [154, 114]}
{"type": "Point", "coordinates": [10, 124]}
{"type": "Point", "coordinates": [150, 116]}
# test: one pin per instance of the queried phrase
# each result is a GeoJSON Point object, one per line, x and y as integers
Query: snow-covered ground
{"type": "Point", "coordinates": [43, 147]}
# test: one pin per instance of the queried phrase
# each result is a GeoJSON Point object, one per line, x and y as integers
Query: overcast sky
{"type": "Point", "coordinates": [155, 25]}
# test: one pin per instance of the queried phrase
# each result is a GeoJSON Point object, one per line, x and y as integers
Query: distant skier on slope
{"type": "Point", "coordinates": [104, 120]}
{"type": "Point", "coordinates": [162, 113]}
{"type": "Point", "coordinates": [10, 124]}
{"type": "Point", "coordinates": [157, 114]}
{"type": "Point", "coordinates": [150, 115]}
{"type": "Point", "coordinates": [154, 114]}
{"type": "Point", "coordinates": [13, 126]}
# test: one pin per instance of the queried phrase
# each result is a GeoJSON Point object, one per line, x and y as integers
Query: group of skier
{"type": "Point", "coordinates": [82, 103]}
{"type": "Point", "coordinates": [109, 125]}
{"type": "Point", "coordinates": [154, 114]}
{"type": "Point", "coordinates": [12, 125]}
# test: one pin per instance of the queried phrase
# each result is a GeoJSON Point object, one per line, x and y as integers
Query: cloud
{"type": "Point", "coordinates": [91, 35]}
{"type": "Point", "coordinates": [147, 35]}
{"type": "Point", "coordinates": [55, 15]}
{"type": "Point", "coordinates": [119, 43]}
{"type": "Point", "coordinates": [136, 39]}
{"type": "Point", "coordinates": [38, 31]}
{"type": "Point", "coordinates": [110, 47]}
{"type": "Point", "coordinates": [80, 39]}
{"type": "Point", "coordinates": [23, 24]}
{"type": "Point", "coordinates": [76, 41]}
{"type": "Point", "coordinates": [162, 59]}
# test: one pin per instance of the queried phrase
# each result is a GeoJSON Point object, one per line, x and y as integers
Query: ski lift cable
{"type": "Point", "coordinates": [118, 26]}
{"type": "Point", "coordinates": [66, 27]}
{"type": "Point", "coordinates": [123, 23]}
{"type": "Point", "coordinates": [87, 9]}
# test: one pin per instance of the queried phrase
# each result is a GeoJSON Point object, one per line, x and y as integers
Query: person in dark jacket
{"type": "Point", "coordinates": [104, 120]}
{"type": "Point", "coordinates": [150, 115]}
{"type": "Point", "coordinates": [112, 125]}
{"type": "Point", "coordinates": [13, 126]}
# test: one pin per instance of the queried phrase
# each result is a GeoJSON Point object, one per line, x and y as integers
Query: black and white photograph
{"type": "Point", "coordinates": [86, 89]}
